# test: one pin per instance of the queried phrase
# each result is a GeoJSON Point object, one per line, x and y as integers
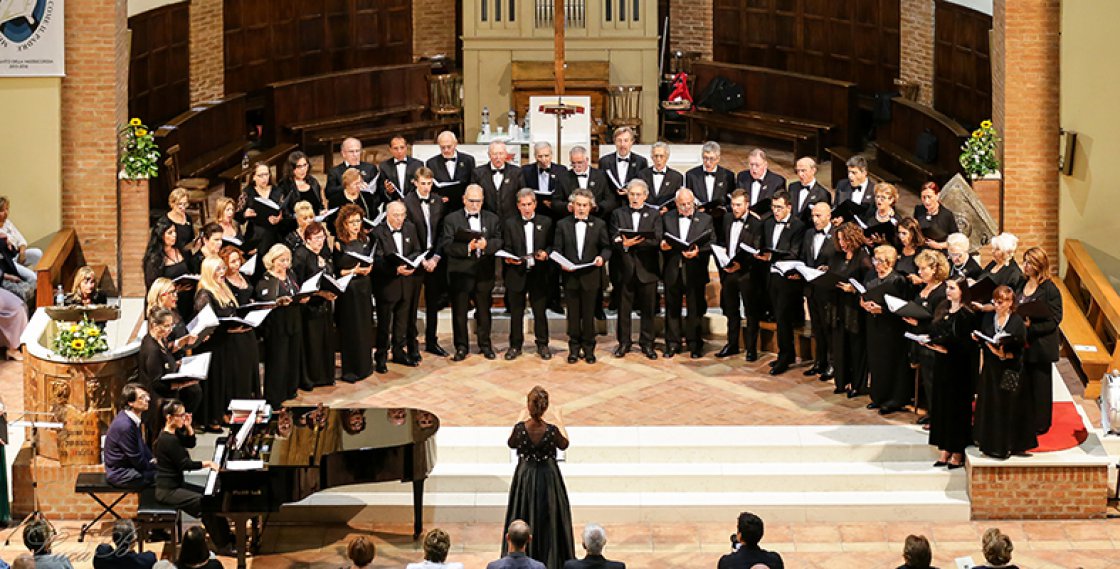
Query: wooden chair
{"type": "Point", "coordinates": [625, 107]}
{"type": "Point", "coordinates": [198, 189]}
{"type": "Point", "coordinates": [446, 94]}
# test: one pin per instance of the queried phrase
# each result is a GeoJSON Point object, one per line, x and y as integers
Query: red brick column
{"type": "Point", "coordinates": [1038, 493]}
{"type": "Point", "coordinates": [690, 26]}
{"type": "Point", "coordinates": [1025, 57]}
{"type": "Point", "coordinates": [433, 28]}
{"type": "Point", "coordinates": [207, 50]}
{"type": "Point", "coordinates": [916, 39]}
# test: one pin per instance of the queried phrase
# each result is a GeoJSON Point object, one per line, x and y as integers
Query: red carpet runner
{"type": "Point", "coordinates": [1066, 429]}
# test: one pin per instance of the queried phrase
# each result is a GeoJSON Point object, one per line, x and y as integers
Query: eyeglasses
{"type": "Point", "coordinates": [474, 201]}
{"type": "Point", "coordinates": [304, 165]}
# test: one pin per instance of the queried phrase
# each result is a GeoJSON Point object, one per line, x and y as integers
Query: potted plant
{"type": "Point", "coordinates": [80, 340]}
{"type": "Point", "coordinates": [139, 161]}
{"type": "Point", "coordinates": [981, 163]}
{"type": "Point", "coordinates": [139, 153]}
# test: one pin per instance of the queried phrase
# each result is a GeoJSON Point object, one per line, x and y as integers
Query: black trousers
{"type": "Point", "coordinates": [537, 293]}
{"type": "Point", "coordinates": [1038, 376]}
{"type": "Point", "coordinates": [466, 288]}
{"type": "Point", "coordinates": [392, 318]}
{"type": "Point", "coordinates": [188, 498]}
{"type": "Point", "coordinates": [849, 358]}
{"type": "Point", "coordinates": [433, 286]}
{"type": "Point", "coordinates": [820, 314]}
{"type": "Point", "coordinates": [926, 360]}
{"type": "Point", "coordinates": [643, 296]}
{"type": "Point", "coordinates": [733, 292]}
{"type": "Point", "coordinates": [757, 302]}
{"type": "Point", "coordinates": [785, 296]}
{"type": "Point", "coordinates": [581, 318]}
{"type": "Point", "coordinates": [676, 295]}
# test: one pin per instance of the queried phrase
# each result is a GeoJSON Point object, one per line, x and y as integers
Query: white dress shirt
{"type": "Point", "coordinates": [581, 234]}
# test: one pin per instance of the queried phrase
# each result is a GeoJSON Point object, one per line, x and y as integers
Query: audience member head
{"type": "Point", "coordinates": [806, 169]}
{"type": "Point", "coordinates": [581, 203]}
{"type": "Point", "coordinates": [84, 283]}
{"type": "Point", "coordinates": [472, 198]}
{"type": "Point", "coordinates": [594, 539]}
{"type": "Point", "coordinates": [857, 170]}
{"type": "Point", "coordinates": [932, 266]}
{"type": "Point", "coordinates": [361, 551]}
{"type": "Point", "coordinates": [623, 140]}
{"type": "Point", "coordinates": [224, 210]}
{"type": "Point", "coordinates": [821, 213]}
{"type": "Point", "coordinates": [135, 397]}
{"type": "Point", "coordinates": [447, 142]}
{"type": "Point", "coordinates": [518, 535]}
{"type": "Point", "coordinates": [849, 237]}
{"type": "Point", "coordinates": [498, 153]}
{"type": "Point", "coordinates": [956, 246]}
{"type": "Point", "coordinates": [24, 561]}
{"type": "Point", "coordinates": [749, 530]}
{"type": "Point", "coordinates": [5, 205]}
{"type": "Point", "coordinates": [278, 259]}
{"type": "Point", "coordinates": [636, 193]}
{"type": "Point", "coordinates": [542, 152]}
{"type": "Point", "coordinates": [179, 200]}
{"type": "Point", "coordinates": [910, 233]}
{"type": "Point", "coordinates": [537, 402]}
{"type": "Point", "coordinates": [298, 166]}
{"type": "Point", "coordinates": [1003, 247]}
{"type": "Point", "coordinates": [352, 182]}
{"type": "Point", "coordinates": [124, 534]}
{"type": "Point", "coordinates": [436, 545]}
{"type": "Point", "coordinates": [757, 163]}
{"type": "Point", "coordinates": [348, 224]}
{"type": "Point", "coordinates": [398, 147]}
{"type": "Point", "coordinates": [351, 151]}
{"type": "Point", "coordinates": [916, 552]}
{"type": "Point", "coordinates": [659, 155]}
{"type": "Point", "coordinates": [709, 155]}
{"type": "Point", "coordinates": [997, 547]}
{"type": "Point", "coordinates": [578, 159]}
{"type": "Point", "coordinates": [37, 537]}
{"type": "Point", "coordinates": [526, 203]}
{"type": "Point", "coordinates": [1036, 264]}
{"type": "Point", "coordinates": [193, 551]}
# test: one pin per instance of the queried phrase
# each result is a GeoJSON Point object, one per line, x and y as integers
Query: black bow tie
{"type": "Point", "coordinates": [635, 210]}
{"type": "Point", "coordinates": [580, 220]}
{"type": "Point", "coordinates": [822, 232]}
{"type": "Point", "coordinates": [781, 222]}
{"type": "Point", "coordinates": [472, 216]}
{"type": "Point", "coordinates": [399, 162]}
{"type": "Point", "coordinates": [659, 172]}
{"type": "Point", "coordinates": [428, 200]}
{"type": "Point", "coordinates": [395, 231]}
{"type": "Point", "coordinates": [688, 217]}
{"type": "Point", "coordinates": [621, 159]}
{"type": "Point", "coordinates": [527, 221]}
{"type": "Point", "coordinates": [710, 174]}
{"type": "Point", "coordinates": [495, 170]}
{"type": "Point", "coordinates": [581, 175]}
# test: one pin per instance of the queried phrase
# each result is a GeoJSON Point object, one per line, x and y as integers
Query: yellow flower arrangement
{"type": "Point", "coordinates": [978, 154]}
{"type": "Point", "coordinates": [73, 327]}
{"type": "Point", "coordinates": [77, 344]}
{"type": "Point", "coordinates": [139, 153]}
{"type": "Point", "coordinates": [134, 122]}
{"type": "Point", "coordinates": [80, 340]}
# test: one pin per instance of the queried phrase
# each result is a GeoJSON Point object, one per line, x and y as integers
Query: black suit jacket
{"type": "Point", "coordinates": [827, 251]}
{"type": "Point", "coordinates": [596, 244]}
{"type": "Point", "coordinates": [675, 266]}
{"type": "Point", "coordinates": [724, 185]}
{"type": "Point", "coordinates": [609, 163]}
{"type": "Point", "coordinates": [500, 200]}
{"type": "Point", "coordinates": [416, 216]}
{"type": "Point", "coordinates": [458, 259]}
{"type": "Point", "coordinates": [745, 558]}
{"type": "Point", "coordinates": [593, 562]}
{"type": "Point", "coordinates": [670, 183]}
{"type": "Point", "coordinates": [530, 178]}
{"type": "Point", "coordinates": [844, 193]}
{"type": "Point", "coordinates": [387, 284]}
{"type": "Point", "coordinates": [389, 174]}
{"type": "Point", "coordinates": [334, 177]}
{"type": "Point", "coordinates": [517, 277]}
{"type": "Point", "coordinates": [771, 184]}
{"type": "Point", "coordinates": [817, 193]}
{"type": "Point", "coordinates": [464, 169]}
{"type": "Point", "coordinates": [640, 261]}
{"type": "Point", "coordinates": [597, 184]}
{"type": "Point", "coordinates": [749, 235]}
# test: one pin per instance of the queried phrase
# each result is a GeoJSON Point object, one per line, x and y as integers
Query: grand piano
{"type": "Point", "coordinates": [301, 450]}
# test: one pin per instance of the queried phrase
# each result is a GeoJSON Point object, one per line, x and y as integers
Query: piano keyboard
{"type": "Point", "coordinates": [212, 478]}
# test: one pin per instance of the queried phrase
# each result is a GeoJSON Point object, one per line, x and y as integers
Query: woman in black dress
{"type": "Point", "coordinates": [304, 215]}
{"type": "Point", "coordinates": [352, 194]}
{"type": "Point", "coordinates": [1003, 270]}
{"type": "Point", "coordinates": [318, 329]}
{"type": "Point", "coordinates": [891, 385]}
{"type": "Point", "coordinates": [235, 279]}
{"type": "Point", "coordinates": [264, 229]}
{"type": "Point", "coordinates": [164, 258]}
{"type": "Point", "coordinates": [933, 269]}
{"type": "Point", "coordinates": [162, 294]}
{"type": "Point", "coordinates": [209, 246]}
{"type": "Point", "coordinates": [1042, 334]}
{"type": "Point", "coordinates": [937, 222]}
{"type": "Point", "coordinates": [537, 494]}
{"type": "Point", "coordinates": [911, 241]}
{"type": "Point", "coordinates": [954, 371]}
{"type": "Point", "coordinates": [235, 359]}
{"type": "Point", "coordinates": [157, 358]}
{"type": "Point", "coordinates": [849, 350]}
{"type": "Point", "coordinates": [1004, 408]}
{"type": "Point", "coordinates": [179, 201]}
{"type": "Point", "coordinates": [283, 329]}
{"type": "Point", "coordinates": [298, 185]}
{"type": "Point", "coordinates": [886, 196]}
{"type": "Point", "coordinates": [961, 262]}
{"type": "Point", "coordinates": [354, 309]}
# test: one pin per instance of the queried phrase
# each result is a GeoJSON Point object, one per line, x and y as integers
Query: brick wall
{"type": "Point", "coordinates": [433, 28]}
{"type": "Point", "coordinates": [916, 37]}
{"type": "Point", "coordinates": [94, 104]}
{"type": "Point", "coordinates": [56, 490]}
{"type": "Point", "coordinates": [1038, 493]}
{"type": "Point", "coordinates": [134, 235]}
{"type": "Point", "coordinates": [690, 26]}
{"type": "Point", "coordinates": [1027, 33]}
{"type": "Point", "coordinates": [207, 50]}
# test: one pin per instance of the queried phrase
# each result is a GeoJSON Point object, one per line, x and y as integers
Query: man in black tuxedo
{"type": "Point", "coordinates": [452, 170]}
{"type": "Point", "coordinates": [685, 269]}
{"type": "Point", "coordinates": [351, 158]}
{"type": "Point", "coordinates": [500, 181]}
{"type": "Point", "coordinates": [710, 182]}
{"type": "Point", "coordinates": [398, 172]}
{"type": "Point", "coordinates": [637, 260]}
{"type": "Point", "coordinates": [594, 539]}
{"type": "Point", "coordinates": [544, 176]}
{"type": "Point", "coordinates": [529, 237]}
{"type": "Point", "coordinates": [662, 181]}
{"type": "Point", "coordinates": [781, 241]}
{"type": "Point", "coordinates": [393, 285]}
{"type": "Point", "coordinates": [583, 176]}
{"type": "Point", "coordinates": [857, 187]}
{"type": "Point", "coordinates": [817, 250]}
{"type": "Point", "coordinates": [806, 191]}
{"type": "Point", "coordinates": [582, 238]}
{"type": "Point", "coordinates": [737, 229]}
{"type": "Point", "coordinates": [425, 211]}
{"type": "Point", "coordinates": [758, 181]}
{"type": "Point", "coordinates": [621, 166]}
{"type": "Point", "coordinates": [470, 239]}
{"type": "Point", "coordinates": [747, 552]}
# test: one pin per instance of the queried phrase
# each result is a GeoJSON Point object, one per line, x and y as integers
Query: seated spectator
{"type": "Point", "coordinates": [436, 545]}
{"type": "Point", "coordinates": [746, 552]}
{"type": "Point", "coordinates": [194, 553]}
{"type": "Point", "coordinates": [997, 550]}
{"type": "Point", "coordinates": [37, 538]}
{"type": "Point", "coordinates": [361, 552]}
{"type": "Point", "coordinates": [25, 257]}
{"type": "Point", "coordinates": [84, 291]}
{"type": "Point", "coordinates": [120, 554]}
{"type": "Point", "coordinates": [13, 321]}
{"type": "Point", "coordinates": [916, 553]}
{"type": "Point", "coordinates": [594, 539]}
{"type": "Point", "coordinates": [24, 561]}
{"type": "Point", "coordinates": [518, 536]}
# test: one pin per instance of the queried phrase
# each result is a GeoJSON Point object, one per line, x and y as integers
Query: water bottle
{"type": "Point", "coordinates": [245, 161]}
{"type": "Point", "coordinates": [512, 123]}
{"type": "Point", "coordinates": [59, 296]}
{"type": "Point", "coordinates": [485, 121]}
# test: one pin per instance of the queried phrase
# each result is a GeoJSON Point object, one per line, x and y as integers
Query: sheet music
{"type": "Point", "coordinates": [785, 267]}
{"type": "Point", "coordinates": [323, 217]}
{"type": "Point", "coordinates": [857, 285]}
{"type": "Point", "coordinates": [203, 321]}
{"type": "Point", "coordinates": [247, 426]}
{"type": "Point", "coordinates": [809, 273]}
{"type": "Point", "coordinates": [748, 248]}
{"type": "Point", "coordinates": [894, 304]}
{"type": "Point", "coordinates": [311, 285]}
{"type": "Point", "coordinates": [271, 204]}
{"type": "Point", "coordinates": [721, 255]}
{"type": "Point", "coordinates": [566, 264]}
{"type": "Point", "coordinates": [192, 367]}
{"type": "Point", "coordinates": [249, 267]}
{"type": "Point", "coordinates": [919, 338]}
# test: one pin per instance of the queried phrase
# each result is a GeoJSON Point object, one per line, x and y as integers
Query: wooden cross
{"type": "Point", "coordinates": [559, 109]}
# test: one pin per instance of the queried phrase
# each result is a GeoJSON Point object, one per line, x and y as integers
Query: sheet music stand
{"type": "Point", "coordinates": [95, 312]}
{"type": "Point", "coordinates": [35, 425]}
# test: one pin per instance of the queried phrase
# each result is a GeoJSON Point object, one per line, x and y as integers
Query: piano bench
{"type": "Point", "coordinates": [152, 515]}
{"type": "Point", "coordinates": [92, 484]}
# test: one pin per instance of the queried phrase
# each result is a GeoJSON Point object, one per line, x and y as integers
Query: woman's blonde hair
{"type": "Point", "coordinates": [887, 189]}
{"type": "Point", "coordinates": [159, 287]}
{"type": "Point", "coordinates": [82, 274]}
{"type": "Point", "coordinates": [177, 195]}
{"type": "Point", "coordinates": [220, 208]}
{"type": "Point", "coordinates": [887, 253]}
{"type": "Point", "coordinates": [208, 281]}
{"type": "Point", "coordinates": [278, 250]}
{"type": "Point", "coordinates": [349, 176]}
{"type": "Point", "coordinates": [931, 258]}
{"type": "Point", "coordinates": [304, 208]}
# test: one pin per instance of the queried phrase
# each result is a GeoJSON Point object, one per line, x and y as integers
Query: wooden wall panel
{"type": "Point", "coordinates": [852, 40]}
{"type": "Point", "coordinates": [276, 40]}
{"type": "Point", "coordinates": [159, 67]}
{"type": "Point", "coordinates": [962, 67]}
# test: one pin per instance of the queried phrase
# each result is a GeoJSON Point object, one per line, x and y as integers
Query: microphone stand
{"type": "Point", "coordinates": [35, 514]}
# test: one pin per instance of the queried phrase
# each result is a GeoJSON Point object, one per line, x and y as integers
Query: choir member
{"type": "Point", "coordinates": [164, 258]}
{"type": "Point", "coordinates": [298, 185]}
{"type": "Point", "coordinates": [637, 260]}
{"type": "Point", "coordinates": [1002, 269]}
{"type": "Point", "coordinates": [685, 270]}
{"type": "Point", "coordinates": [304, 215]}
{"type": "Point", "coordinates": [157, 358]}
{"type": "Point", "coordinates": [817, 251]}
{"type": "Point", "coordinates": [910, 243]}
{"type": "Point", "coordinates": [710, 182]}
{"type": "Point", "coordinates": [736, 229]}
{"type": "Point", "coordinates": [954, 372]}
{"type": "Point", "coordinates": [757, 180]}
{"type": "Point", "coordinates": [179, 201]}
{"type": "Point", "coordinates": [162, 294]}
{"type": "Point", "coordinates": [242, 289]}
{"type": "Point", "coordinates": [849, 352]}
{"type": "Point", "coordinates": [782, 236]}
{"type": "Point", "coordinates": [887, 348]}
{"type": "Point", "coordinates": [451, 169]}
{"type": "Point", "coordinates": [264, 221]}
{"type": "Point", "coordinates": [933, 269]}
{"type": "Point", "coordinates": [886, 195]}
{"type": "Point", "coordinates": [209, 246]}
{"type": "Point", "coordinates": [960, 262]}
{"type": "Point", "coordinates": [235, 358]}
{"type": "Point", "coordinates": [351, 151]}
{"type": "Point", "coordinates": [936, 221]}
{"type": "Point", "coordinates": [471, 237]}
{"type": "Point", "coordinates": [806, 191]}
{"type": "Point", "coordinates": [583, 177]}
{"type": "Point", "coordinates": [224, 213]}
{"type": "Point", "coordinates": [545, 177]}
{"type": "Point", "coordinates": [622, 165]}
{"type": "Point", "coordinates": [397, 171]}
{"type": "Point", "coordinates": [282, 331]}
{"type": "Point", "coordinates": [1005, 423]}
{"type": "Point", "coordinates": [393, 282]}
{"type": "Point", "coordinates": [83, 290]}
{"type": "Point", "coordinates": [582, 239]}
{"type": "Point", "coordinates": [662, 181]}
{"type": "Point", "coordinates": [500, 181]}
{"type": "Point", "coordinates": [318, 330]}
{"type": "Point", "coordinates": [857, 187]}
{"type": "Point", "coordinates": [425, 211]}
{"type": "Point", "coordinates": [1042, 335]}
{"type": "Point", "coordinates": [354, 193]}
{"type": "Point", "coordinates": [528, 237]}
{"type": "Point", "coordinates": [353, 310]}
{"type": "Point", "coordinates": [25, 257]}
